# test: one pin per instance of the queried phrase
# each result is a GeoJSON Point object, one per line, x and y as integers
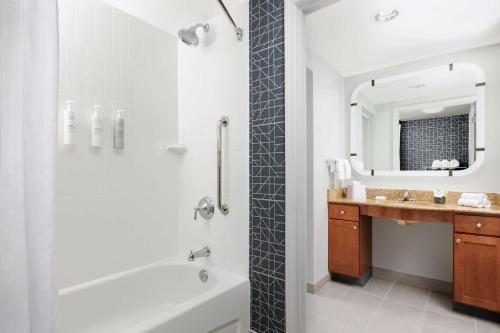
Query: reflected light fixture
{"type": "Point", "coordinates": [386, 15]}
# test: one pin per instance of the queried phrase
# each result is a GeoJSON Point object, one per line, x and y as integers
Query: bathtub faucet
{"type": "Point", "coordinates": [204, 252]}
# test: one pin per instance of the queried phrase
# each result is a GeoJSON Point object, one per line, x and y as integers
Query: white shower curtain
{"type": "Point", "coordinates": [28, 105]}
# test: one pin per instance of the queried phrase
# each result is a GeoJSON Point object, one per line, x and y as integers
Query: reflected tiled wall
{"type": "Point", "coordinates": [267, 166]}
{"type": "Point", "coordinates": [426, 140]}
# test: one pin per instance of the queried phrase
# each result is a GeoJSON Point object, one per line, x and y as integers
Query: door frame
{"type": "Point", "coordinates": [295, 159]}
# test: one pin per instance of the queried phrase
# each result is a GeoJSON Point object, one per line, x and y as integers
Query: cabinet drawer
{"type": "Point", "coordinates": [343, 212]}
{"type": "Point", "coordinates": [480, 225]}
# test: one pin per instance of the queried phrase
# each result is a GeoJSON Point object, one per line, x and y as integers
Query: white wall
{"type": "Point", "coordinates": [421, 253]}
{"type": "Point", "coordinates": [381, 138]}
{"type": "Point", "coordinates": [329, 141]}
{"type": "Point", "coordinates": [115, 210]}
{"type": "Point", "coordinates": [213, 81]}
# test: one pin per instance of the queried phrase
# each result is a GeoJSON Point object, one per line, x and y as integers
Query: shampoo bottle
{"type": "Point", "coordinates": [119, 130]}
{"type": "Point", "coordinates": [69, 123]}
{"type": "Point", "coordinates": [96, 128]}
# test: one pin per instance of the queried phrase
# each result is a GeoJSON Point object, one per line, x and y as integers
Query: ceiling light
{"type": "Point", "coordinates": [386, 15]}
{"type": "Point", "coordinates": [433, 110]}
{"type": "Point", "coordinates": [417, 85]}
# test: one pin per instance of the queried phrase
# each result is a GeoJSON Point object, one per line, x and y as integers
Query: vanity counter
{"type": "Point", "coordinates": [494, 210]}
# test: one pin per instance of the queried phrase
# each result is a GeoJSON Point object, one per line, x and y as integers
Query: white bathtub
{"type": "Point", "coordinates": [166, 297]}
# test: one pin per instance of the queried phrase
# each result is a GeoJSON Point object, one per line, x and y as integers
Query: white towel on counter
{"type": "Point", "coordinates": [474, 196]}
{"type": "Point", "coordinates": [477, 203]}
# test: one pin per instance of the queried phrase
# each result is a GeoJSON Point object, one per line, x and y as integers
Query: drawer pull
{"type": "Point", "coordinates": [479, 225]}
{"type": "Point", "coordinates": [355, 227]}
{"type": "Point", "coordinates": [342, 212]}
{"type": "Point", "coordinates": [458, 241]}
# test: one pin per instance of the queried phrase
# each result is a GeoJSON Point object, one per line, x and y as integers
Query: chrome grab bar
{"type": "Point", "coordinates": [223, 122]}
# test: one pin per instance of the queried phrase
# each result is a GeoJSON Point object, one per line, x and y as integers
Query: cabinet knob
{"type": "Point", "coordinates": [479, 225]}
{"type": "Point", "coordinates": [355, 227]}
{"type": "Point", "coordinates": [342, 212]}
{"type": "Point", "coordinates": [458, 241]}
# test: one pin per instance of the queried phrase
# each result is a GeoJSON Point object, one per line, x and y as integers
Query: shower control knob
{"type": "Point", "coordinates": [479, 225]}
{"type": "Point", "coordinates": [205, 208]}
{"type": "Point", "coordinates": [458, 241]}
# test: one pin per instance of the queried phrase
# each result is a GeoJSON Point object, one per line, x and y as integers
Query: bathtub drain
{"type": "Point", "coordinates": [203, 275]}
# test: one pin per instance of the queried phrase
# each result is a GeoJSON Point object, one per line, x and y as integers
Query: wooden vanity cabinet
{"type": "Point", "coordinates": [349, 242]}
{"type": "Point", "coordinates": [476, 262]}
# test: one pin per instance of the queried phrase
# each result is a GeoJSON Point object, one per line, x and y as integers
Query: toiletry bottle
{"type": "Point", "coordinates": [119, 130]}
{"type": "Point", "coordinates": [69, 123]}
{"type": "Point", "coordinates": [96, 128]}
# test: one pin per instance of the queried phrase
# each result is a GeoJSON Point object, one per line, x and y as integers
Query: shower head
{"type": "Point", "coordinates": [189, 37]}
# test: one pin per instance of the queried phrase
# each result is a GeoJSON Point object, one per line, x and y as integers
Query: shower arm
{"type": "Point", "coordinates": [238, 30]}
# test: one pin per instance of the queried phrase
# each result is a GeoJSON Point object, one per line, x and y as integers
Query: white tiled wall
{"type": "Point", "coordinates": [116, 210]}
{"type": "Point", "coordinates": [213, 81]}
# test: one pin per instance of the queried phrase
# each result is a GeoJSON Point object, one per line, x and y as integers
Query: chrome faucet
{"type": "Point", "coordinates": [204, 252]}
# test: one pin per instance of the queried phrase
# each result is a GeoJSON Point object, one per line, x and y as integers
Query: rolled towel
{"type": "Point", "coordinates": [476, 203]}
{"type": "Point", "coordinates": [474, 196]}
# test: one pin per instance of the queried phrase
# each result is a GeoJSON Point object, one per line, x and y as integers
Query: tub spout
{"type": "Point", "coordinates": [205, 252]}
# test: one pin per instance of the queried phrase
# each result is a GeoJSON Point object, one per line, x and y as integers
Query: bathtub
{"type": "Point", "coordinates": [166, 297]}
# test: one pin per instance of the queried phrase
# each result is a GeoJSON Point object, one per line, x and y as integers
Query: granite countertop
{"type": "Point", "coordinates": [422, 202]}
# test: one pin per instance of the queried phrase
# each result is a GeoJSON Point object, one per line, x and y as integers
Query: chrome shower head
{"type": "Point", "coordinates": [189, 37]}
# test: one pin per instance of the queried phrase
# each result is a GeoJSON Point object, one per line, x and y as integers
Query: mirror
{"type": "Point", "coordinates": [424, 121]}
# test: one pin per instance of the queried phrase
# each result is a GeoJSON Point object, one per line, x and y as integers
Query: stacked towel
{"type": "Point", "coordinates": [477, 200]}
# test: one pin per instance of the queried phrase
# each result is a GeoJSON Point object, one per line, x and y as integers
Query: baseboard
{"type": "Point", "coordinates": [313, 288]}
{"type": "Point", "coordinates": [413, 280]}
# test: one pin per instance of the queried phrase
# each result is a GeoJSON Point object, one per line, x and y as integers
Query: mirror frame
{"type": "Point", "coordinates": [355, 109]}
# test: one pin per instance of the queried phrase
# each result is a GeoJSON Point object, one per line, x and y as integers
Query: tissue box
{"type": "Point", "coordinates": [356, 191]}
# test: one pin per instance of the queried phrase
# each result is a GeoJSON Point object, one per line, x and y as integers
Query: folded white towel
{"type": "Point", "coordinates": [474, 196]}
{"type": "Point", "coordinates": [477, 203]}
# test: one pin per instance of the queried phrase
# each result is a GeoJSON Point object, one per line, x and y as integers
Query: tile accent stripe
{"type": "Point", "coordinates": [267, 166]}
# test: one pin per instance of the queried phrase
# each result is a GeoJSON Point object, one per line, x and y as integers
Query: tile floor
{"type": "Point", "coordinates": [384, 306]}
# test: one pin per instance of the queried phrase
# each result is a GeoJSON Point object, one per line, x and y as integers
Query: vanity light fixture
{"type": "Point", "coordinates": [386, 15]}
{"type": "Point", "coordinates": [433, 109]}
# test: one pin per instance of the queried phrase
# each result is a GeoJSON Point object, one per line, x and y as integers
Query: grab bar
{"type": "Point", "coordinates": [223, 122]}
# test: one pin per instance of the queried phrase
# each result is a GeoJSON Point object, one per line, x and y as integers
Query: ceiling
{"type": "Point", "coordinates": [347, 37]}
{"type": "Point", "coordinates": [433, 83]}
{"type": "Point", "coordinates": [172, 15]}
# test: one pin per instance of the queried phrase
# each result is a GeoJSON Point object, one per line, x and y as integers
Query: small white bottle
{"type": "Point", "coordinates": [69, 123]}
{"type": "Point", "coordinates": [119, 130]}
{"type": "Point", "coordinates": [96, 128]}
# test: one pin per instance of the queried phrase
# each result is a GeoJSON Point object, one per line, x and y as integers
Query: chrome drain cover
{"type": "Point", "coordinates": [203, 275]}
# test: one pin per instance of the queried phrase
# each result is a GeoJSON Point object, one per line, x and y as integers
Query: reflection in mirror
{"type": "Point", "coordinates": [423, 120]}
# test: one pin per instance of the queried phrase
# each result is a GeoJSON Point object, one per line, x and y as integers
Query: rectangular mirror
{"type": "Point", "coordinates": [426, 122]}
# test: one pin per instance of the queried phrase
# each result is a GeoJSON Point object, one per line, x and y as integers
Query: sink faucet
{"type": "Point", "coordinates": [204, 252]}
{"type": "Point", "coordinates": [406, 196]}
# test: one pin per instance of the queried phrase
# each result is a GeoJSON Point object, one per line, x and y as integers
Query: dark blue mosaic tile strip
{"type": "Point", "coordinates": [267, 166]}
{"type": "Point", "coordinates": [426, 140]}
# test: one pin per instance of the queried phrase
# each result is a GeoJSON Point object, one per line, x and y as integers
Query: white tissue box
{"type": "Point", "coordinates": [356, 191]}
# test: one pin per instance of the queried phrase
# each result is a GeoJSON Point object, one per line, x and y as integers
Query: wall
{"type": "Point", "coordinates": [115, 209]}
{"type": "Point", "coordinates": [386, 253]}
{"type": "Point", "coordinates": [426, 140]}
{"type": "Point", "coordinates": [213, 81]}
{"type": "Point", "coordinates": [267, 165]}
{"type": "Point", "coordinates": [381, 138]}
{"type": "Point", "coordinates": [329, 140]}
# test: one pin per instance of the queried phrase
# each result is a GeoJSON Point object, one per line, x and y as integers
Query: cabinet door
{"type": "Point", "coordinates": [343, 247]}
{"type": "Point", "coordinates": [476, 271]}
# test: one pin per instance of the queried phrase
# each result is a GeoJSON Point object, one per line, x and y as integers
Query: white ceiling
{"type": "Point", "coordinates": [447, 112]}
{"type": "Point", "coordinates": [438, 83]}
{"type": "Point", "coordinates": [172, 15]}
{"type": "Point", "coordinates": [346, 35]}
